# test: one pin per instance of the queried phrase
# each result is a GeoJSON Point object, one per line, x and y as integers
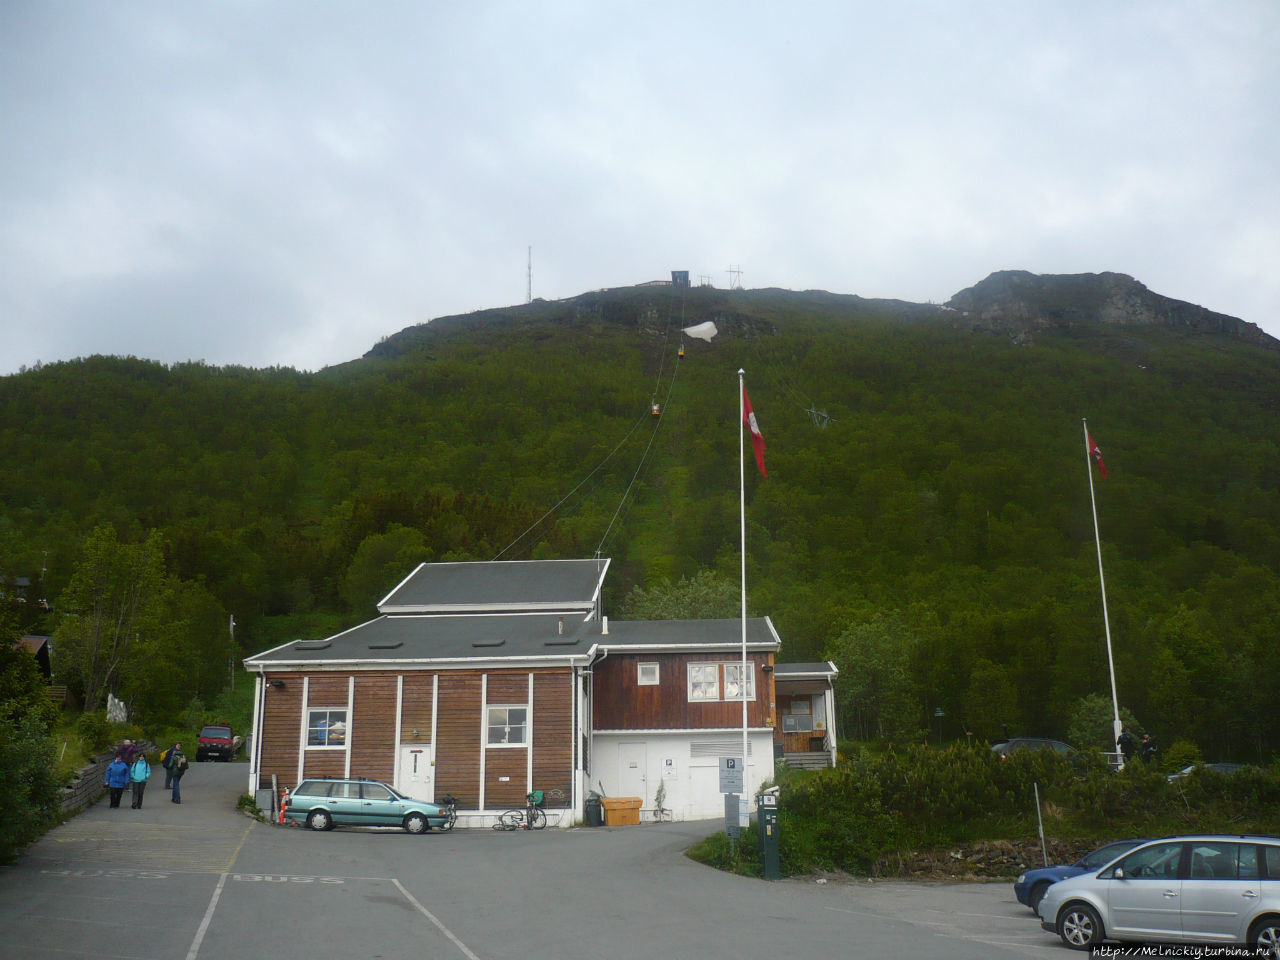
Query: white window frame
{"type": "Point", "coordinates": [736, 667]}
{"type": "Point", "coordinates": [797, 723]}
{"type": "Point", "coordinates": [313, 726]}
{"type": "Point", "coordinates": [506, 725]}
{"type": "Point", "coordinates": [703, 694]}
{"type": "Point", "coordinates": [652, 679]}
{"type": "Point", "coordinates": [702, 689]}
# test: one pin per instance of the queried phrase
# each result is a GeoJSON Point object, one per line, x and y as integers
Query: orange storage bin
{"type": "Point", "coordinates": [621, 811]}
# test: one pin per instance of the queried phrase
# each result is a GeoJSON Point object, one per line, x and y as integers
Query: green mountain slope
{"type": "Point", "coordinates": [922, 460]}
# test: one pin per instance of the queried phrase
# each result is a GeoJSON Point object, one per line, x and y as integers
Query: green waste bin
{"type": "Point", "coordinates": [595, 812]}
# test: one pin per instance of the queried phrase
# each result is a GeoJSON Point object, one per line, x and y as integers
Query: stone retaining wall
{"type": "Point", "coordinates": [86, 786]}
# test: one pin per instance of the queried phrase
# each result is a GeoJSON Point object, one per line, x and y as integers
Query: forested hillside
{"type": "Point", "coordinates": [926, 517]}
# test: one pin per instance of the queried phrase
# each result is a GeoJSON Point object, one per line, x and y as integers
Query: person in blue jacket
{"type": "Point", "coordinates": [139, 774]}
{"type": "Point", "coordinates": [116, 778]}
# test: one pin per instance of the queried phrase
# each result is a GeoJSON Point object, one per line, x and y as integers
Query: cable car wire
{"type": "Point", "coordinates": [640, 466]}
{"type": "Point", "coordinates": [558, 504]}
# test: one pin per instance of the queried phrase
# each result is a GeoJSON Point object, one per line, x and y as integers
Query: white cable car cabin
{"type": "Point", "coordinates": [655, 409]}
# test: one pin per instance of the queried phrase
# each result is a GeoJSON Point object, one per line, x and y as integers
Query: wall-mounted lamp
{"type": "Point", "coordinates": [277, 684]}
{"type": "Point", "coordinates": [767, 668]}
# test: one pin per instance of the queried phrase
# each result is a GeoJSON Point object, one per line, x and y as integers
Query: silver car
{"type": "Point", "coordinates": [1192, 889]}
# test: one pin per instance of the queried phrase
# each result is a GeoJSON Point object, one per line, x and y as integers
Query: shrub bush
{"type": "Point", "coordinates": [31, 784]}
{"type": "Point", "coordinates": [94, 731]}
{"type": "Point", "coordinates": [873, 805]}
{"type": "Point", "coordinates": [1182, 754]}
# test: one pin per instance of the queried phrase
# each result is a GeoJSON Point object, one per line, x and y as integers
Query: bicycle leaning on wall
{"type": "Point", "coordinates": [450, 804]}
{"type": "Point", "coordinates": [529, 818]}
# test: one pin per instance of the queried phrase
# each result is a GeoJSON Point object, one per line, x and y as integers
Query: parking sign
{"type": "Point", "coordinates": [731, 775]}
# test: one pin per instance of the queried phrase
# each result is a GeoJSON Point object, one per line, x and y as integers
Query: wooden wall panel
{"type": "Point", "coordinates": [373, 727]}
{"type": "Point", "coordinates": [458, 737]}
{"type": "Point", "coordinates": [416, 708]}
{"type": "Point", "coordinates": [802, 742]}
{"type": "Point", "coordinates": [509, 688]}
{"type": "Point", "coordinates": [620, 703]}
{"type": "Point", "coordinates": [325, 763]}
{"type": "Point", "coordinates": [511, 764]}
{"type": "Point", "coordinates": [329, 690]}
{"type": "Point", "coordinates": [281, 722]}
{"type": "Point", "coordinates": [553, 737]}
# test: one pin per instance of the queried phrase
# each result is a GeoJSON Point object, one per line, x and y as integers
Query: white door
{"type": "Point", "coordinates": [633, 770]}
{"type": "Point", "coordinates": [416, 778]}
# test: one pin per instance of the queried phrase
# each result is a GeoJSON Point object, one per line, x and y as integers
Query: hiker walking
{"type": "Point", "coordinates": [176, 766]}
{"type": "Point", "coordinates": [139, 774]}
{"type": "Point", "coordinates": [164, 762]}
{"type": "Point", "coordinates": [116, 778]}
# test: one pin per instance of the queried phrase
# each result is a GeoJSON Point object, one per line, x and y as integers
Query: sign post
{"type": "Point", "coordinates": [731, 827]}
{"type": "Point", "coordinates": [731, 786]}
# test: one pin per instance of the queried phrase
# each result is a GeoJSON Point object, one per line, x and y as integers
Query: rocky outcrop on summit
{"type": "Point", "coordinates": [1020, 302]}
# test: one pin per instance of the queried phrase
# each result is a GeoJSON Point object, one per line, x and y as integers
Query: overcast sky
{"type": "Point", "coordinates": [263, 183]}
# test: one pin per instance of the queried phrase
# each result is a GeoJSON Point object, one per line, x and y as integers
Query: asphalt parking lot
{"type": "Point", "coordinates": [201, 881]}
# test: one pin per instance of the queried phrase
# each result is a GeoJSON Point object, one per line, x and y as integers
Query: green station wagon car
{"type": "Point", "coordinates": [323, 804]}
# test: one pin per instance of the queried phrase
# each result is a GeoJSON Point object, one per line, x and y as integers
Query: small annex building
{"type": "Point", "coordinates": [489, 680]}
{"type": "Point", "coordinates": [41, 648]}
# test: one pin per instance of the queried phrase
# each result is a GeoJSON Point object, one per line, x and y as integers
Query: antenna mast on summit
{"type": "Point", "coordinates": [528, 290]}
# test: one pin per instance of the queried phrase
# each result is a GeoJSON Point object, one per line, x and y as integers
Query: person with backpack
{"type": "Point", "coordinates": [1126, 744]}
{"type": "Point", "coordinates": [177, 766]}
{"type": "Point", "coordinates": [164, 762]}
{"type": "Point", "coordinates": [116, 778]}
{"type": "Point", "coordinates": [139, 774]}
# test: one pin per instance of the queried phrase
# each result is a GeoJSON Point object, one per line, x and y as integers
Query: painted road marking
{"type": "Point", "coordinates": [208, 915]}
{"type": "Point", "coordinates": [124, 873]}
{"type": "Point", "coordinates": [439, 926]}
{"type": "Point", "coordinates": [117, 874]}
{"type": "Point", "coordinates": [267, 878]}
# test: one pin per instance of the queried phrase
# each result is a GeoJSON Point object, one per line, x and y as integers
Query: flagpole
{"type": "Point", "coordinates": [742, 518]}
{"type": "Point", "coordinates": [1116, 726]}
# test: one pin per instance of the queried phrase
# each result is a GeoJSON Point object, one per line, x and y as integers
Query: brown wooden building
{"type": "Point", "coordinates": [488, 680]}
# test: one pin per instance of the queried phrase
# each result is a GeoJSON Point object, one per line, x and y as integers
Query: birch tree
{"type": "Point", "coordinates": [112, 601]}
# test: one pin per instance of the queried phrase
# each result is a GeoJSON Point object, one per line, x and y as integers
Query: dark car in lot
{"type": "Point", "coordinates": [1214, 767]}
{"type": "Point", "coordinates": [323, 804]}
{"type": "Point", "coordinates": [1015, 744]}
{"type": "Point", "coordinates": [1032, 884]}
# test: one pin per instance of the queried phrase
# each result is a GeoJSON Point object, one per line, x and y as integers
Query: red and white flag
{"type": "Point", "coordinates": [1097, 455]}
{"type": "Point", "coordinates": [757, 438]}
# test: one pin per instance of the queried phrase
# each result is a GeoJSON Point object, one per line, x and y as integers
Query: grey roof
{"type": "Point", "coordinates": [785, 670]}
{"type": "Point", "coordinates": [424, 639]}
{"type": "Point", "coordinates": [526, 586]}
{"type": "Point", "coordinates": [408, 637]}
{"type": "Point", "coordinates": [719, 634]}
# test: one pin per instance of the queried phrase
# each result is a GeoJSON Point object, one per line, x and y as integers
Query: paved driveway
{"type": "Point", "coordinates": [202, 882]}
